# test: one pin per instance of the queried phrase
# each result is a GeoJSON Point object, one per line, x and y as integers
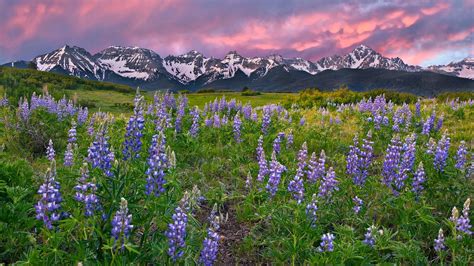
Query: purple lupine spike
{"type": "Point", "coordinates": [157, 165]}
{"type": "Point", "coordinates": [224, 120]}
{"type": "Point", "coordinates": [176, 232]}
{"type": "Point", "coordinates": [210, 245]}
{"type": "Point", "coordinates": [311, 210]}
{"type": "Point", "coordinates": [262, 162]}
{"type": "Point", "coordinates": [441, 153]}
{"type": "Point", "coordinates": [326, 243]}
{"type": "Point", "coordinates": [69, 155]}
{"type": "Point", "coordinates": [217, 120]}
{"type": "Point", "coordinates": [180, 112]}
{"type": "Point", "coordinates": [47, 208]}
{"type": "Point", "coordinates": [302, 121]}
{"type": "Point", "coordinates": [72, 133]}
{"type": "Point", "coordinates": [236, 126]}
{"type": "Point", "coordinates": [289, 139]}
{"type": "Point", "coordinates": [296, 187]}
{"type": "Point", "coordinates": [418, 180]}
{"type": "Point", "coordinates": [328, 184]}
{"type": "Point", "coordinates": [352, 160]}
{"type": "Point", "coordinates": [254, 116]}
{"type": "Point", "coordinates": [391, 162]}
{"type": "Point", "coordinates": [418, 108]}
{"type": "Point", "coordinates": [366, 154]}
{"type": "Point", "coordinates": [275, 172]}
{"type": "Point", "coordinates": [99, 153]}
{"type": "Point", "coordinates": [439, 242]}
{"type": "Point", "coordinates": [194, 130]}
{"type": "Point", "coordinates": [463, 223]}
{"type": "Point", "coordinates": [370, 236]}
{"type": "Point", "coordinates": [134, 131]}
{"type": "Point", "coordinates": [266, 119]}
{"type": "Point", "coordinates": [429, 123]}
{"type": "Point", "coordinates": [24, 110]}
{"type": "Point", "coordinates": [82, 115]}
{"type": "Point", "coordinates": [86, 192]}
{"type": "Point", "coordinates": [50, 153]}
{"type": "Point", "coordinates": [407, 162]}
{"type": "Point", "coordinates": [357, 204]}
{"type": "Point", "coordinates": [318, 169]}
{"type": "Point", "coordinates": [439, 124]}
{"type": "Point", "coordinates": [4, 101]}
{"type": "Point", "coordinates": [277, 143]}
{"type": "Point", "coordinates": [461, 155]}
{"type": "Point", "coordinates": [122, 225]}
{"type": "Point", "coordinates": [430, 146]}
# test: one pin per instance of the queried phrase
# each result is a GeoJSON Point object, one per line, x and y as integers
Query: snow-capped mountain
{"type": "Point", "coordinates": [136, 66]}
{"type": "Point", "coordinates": [71, 60]}
{"type": "Point", "coordinates": [130, 62]}
{"type": "Point", "coordinates": [363, 57]}
{"type": "Point", "coordinates": [462, 69]}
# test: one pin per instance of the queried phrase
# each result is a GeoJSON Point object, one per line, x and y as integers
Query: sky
{"type": "Point", "coordinates": [420, 32]}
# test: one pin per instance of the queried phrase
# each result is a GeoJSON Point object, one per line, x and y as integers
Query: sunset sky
{"type": "Point", "coordinates": [420, 32]}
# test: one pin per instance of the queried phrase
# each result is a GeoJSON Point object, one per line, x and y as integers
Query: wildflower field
{"type": "Point", "coordinates": [197, 180]}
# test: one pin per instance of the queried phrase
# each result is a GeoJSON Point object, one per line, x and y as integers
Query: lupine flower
{"type": "Point", "coordinates": [157, 164]}
{"type": "Point", "coordinates": [132, 143]}
{"type": "Point", "coordinates": [266, 119]}
{"type": "Point", "coordinates": [254, 116]}
{"type": "Point", "coordinates": [407, 162]}
{"type": "Point", "coordinates": [236, 126]}
{"type": "Point", "coordinates": [317, 168]}
{"type": "Point", "coordinates": [439, 242]}
{"type": "Point", "coordinates": [23, 110]}
{"type": "Point", "coordinates": [311, 210]}
{"type": "Point", "coordinates": [69, 155]}
{"type": "Point", "coordinates": [328, 184]}
{"type": "Point", "coordinates": [442, 152]}
{"type": "Point", "coordinates": [277, 143]}
{"type": "Point", "coordinates": [463, 222]}
{"type": "Point", "coordinates": [439, 124]}
{"type": "Point", "coordinates": [86, 192]}
{"type": "Point", "coordinates": [359, 160]}
{"type": "Point", "coordinates": [50, 153]}
{"type": "Point", "coordinates": [217, 121]}
{"type": "Point", "coordinates": [357, 204]}
{"type": "Point", "coordinates": [461, 156]}
{"type": "Point", "coordinates": [99, 153]}
{"type": "Point", "coordinates": [179, 115]}
{"type": "Point", "coordinates": [429, 123]}
{"type": "Point", "coordinates": [193, 131]}
{"type": "Point", "coordinates": [211, 242]}
{"type": "Point", "coordinates": [326, 243]}
{"type": "Point", "coordinates": [289, 139]}
{"type": "Point", "coordinates": [82, 115]}
{"type": "Point", "coordinates": [418, 108]}
{"type": "Point", "coordinates": [418, 180]}
{"type": "Point", "coordinates": [370, 236]}
{"type": "Point", "coordinates": [275, 171]}
{"type": "Point", "coordinates": [72, 133]}
{"type": "Point", "coordinates": [47, 208]}
{"type": "Point", "coordinates": [296, 187]}
{"type": "Point", "coordinates": [4, 101]}
{"type": "Point", "coordinates": [302, 121]}
{"type": "Point", "coordinates": [122, 225]}
{"type": "Point", "coordinates": [391, 161]}
{"type": "Point", "coordinates": [262, 162]}
{"type": "Point", "coordinates": [176, 232]}
{"type": "Point", "coordinates": [430, 146]}
{"type": "Point", "coordinates": [224, 120]}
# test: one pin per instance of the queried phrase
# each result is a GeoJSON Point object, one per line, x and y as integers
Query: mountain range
{"type": "Point", "coordinates": [361, 69]}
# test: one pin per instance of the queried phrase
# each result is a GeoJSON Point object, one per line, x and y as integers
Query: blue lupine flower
{"type": "Point", "coordinates": [266, 119]}
{"type": "Point", "coordinates": [327, 243]}
{"type": "Point", "coordinates": [82, 114]}
{"type": "Point", "coordinates": [317, 168]}
{"type": "Point", "coordinates": [211, 242]}
{"type": "Point", "coordinates": [289, 139]}
{"type": "Point", "coordinates": [176, 233]}
{"type": "Point", "coordinates": [328, 184]}
{"type": "Point", "coordinates": [237, 125]}
{"type": "Point", "coordinates": [134, 131]}
{"type": "Point", "coordinates": [357, 204]}
{"type": "Point", "coordinates": [193, 131]}
{"type": "Point", "coordinates": [275, 171]}
{"type": "Point", "coordinates": [370, 236]}
{"type": "Point", "coordinates": [418, 179]}
{"type": "Point", "coordinates": [157, 164]}
{"type": "Point", "coordinates": [441, 153]}
{"type": "Point", "coordinates": [277, 143]}
{"type": "Point", "coordinates": [72, 133]}
{"type": "Point", "coordinates": [50, 153]}
{"type": "Point", "coordinates": [122, 225]}
{"type": "Point", "coordinates": [86, 192]}
{"type": "Point", "coordinates": [47, 208]}
{"type": "Point", "coordinates": [99, 153]}
{"type": "Point", "coordinates": [69, 155]}
{"type": "Point", "coordinates": [439, 242]}
{"type": "Point", "coordinates": [391, 162]}
{"type": "Point", "coordinates": [262, 162]}
{"type": "Point", "coordinates": [461, 156]}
